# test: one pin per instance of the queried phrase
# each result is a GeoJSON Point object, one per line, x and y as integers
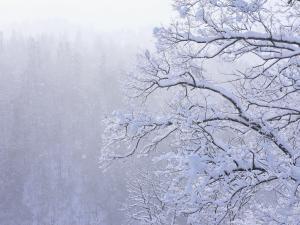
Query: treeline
{"type": "Point", "coordinates": [54, 91]}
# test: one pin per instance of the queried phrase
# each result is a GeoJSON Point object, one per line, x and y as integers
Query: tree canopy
{"type": "Point", "coordinates": [228, 136]}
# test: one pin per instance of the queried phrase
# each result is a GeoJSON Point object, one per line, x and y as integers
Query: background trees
{"type": "Point", "coordinates": [229, 73]}
{"type": "Point", "coordinates": [52, 98]}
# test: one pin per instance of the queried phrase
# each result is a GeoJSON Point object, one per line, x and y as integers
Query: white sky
{"type": "Point", "coordinates": [100, 14]}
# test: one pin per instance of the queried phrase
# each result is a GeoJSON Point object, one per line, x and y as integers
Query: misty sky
{"type": "Point", "coordinates": [107, 15]}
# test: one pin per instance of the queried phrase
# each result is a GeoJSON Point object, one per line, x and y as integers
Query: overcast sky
{"type": "Point", "coordinates": [105, 15]}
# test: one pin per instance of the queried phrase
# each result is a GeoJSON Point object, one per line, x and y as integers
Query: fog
{"type": "Point", "coordinates": [101, 15]}
{"type": "Point", "coordinates": [61, 68]}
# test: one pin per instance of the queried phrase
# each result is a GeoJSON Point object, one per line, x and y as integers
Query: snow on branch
{"type": "Point", "coordinates": [232, 146]}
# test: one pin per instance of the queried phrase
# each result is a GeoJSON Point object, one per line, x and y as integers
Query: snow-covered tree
{"type": "Point", "coordinates": [229, 72]}
{"type": "Point", "coordinates": [146, 202]}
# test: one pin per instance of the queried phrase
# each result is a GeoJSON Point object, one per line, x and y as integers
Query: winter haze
{"type": "Point", "coordinates": [150, 112]}
{"type": "Point", "coordinates": [61, 63]}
